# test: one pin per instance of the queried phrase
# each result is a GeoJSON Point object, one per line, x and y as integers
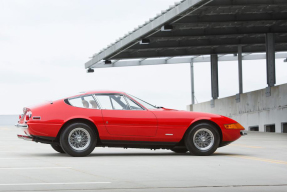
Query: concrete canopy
{"type": "Point", "coordinates": [201, 27]}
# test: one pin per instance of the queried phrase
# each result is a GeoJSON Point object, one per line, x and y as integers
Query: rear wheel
{"type": "Point", "coordinates": [57, 148]}
{"type": "Point", "coordinates": [78, 140]}
{"type": "Point", "coordinates": [203, 139]}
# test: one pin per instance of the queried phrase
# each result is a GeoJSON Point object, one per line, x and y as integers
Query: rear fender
{"type": "Point", "coordinates": [80, 119]}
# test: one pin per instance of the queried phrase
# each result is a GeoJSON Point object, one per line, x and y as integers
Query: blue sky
{"type": "Point", "coordinates": [44, 45]}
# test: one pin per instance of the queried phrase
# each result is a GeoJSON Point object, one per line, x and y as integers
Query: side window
{"type": "Point", "coordinates": [119, 102]}
{"type": "Point", "coordinates": [115, 102]}
{"type": "Point", "coordinates": [133, 105]}
{"type": "Point", "coordinates": [84, 102]}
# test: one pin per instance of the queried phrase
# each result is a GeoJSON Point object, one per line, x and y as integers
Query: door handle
{"type": "Point", "coordinates": [107, 122]}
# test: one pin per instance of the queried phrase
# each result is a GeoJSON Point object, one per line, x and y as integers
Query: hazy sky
{"type": "Point", "coordinates": [45, 43]}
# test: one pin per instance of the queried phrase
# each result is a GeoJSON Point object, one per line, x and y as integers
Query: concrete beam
{"type": "Point", "coordinates": [179, 60]}
{"type": "Point", "coordinates": [146, 30]}
{"type": "Point", "coordinates": [214, 76]}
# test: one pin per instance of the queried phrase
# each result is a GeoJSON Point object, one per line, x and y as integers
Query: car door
{"type": "Point", "coordinates": [124, 117]}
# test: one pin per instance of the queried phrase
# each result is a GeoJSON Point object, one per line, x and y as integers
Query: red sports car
{"type": "Point", "coordinates": [78, 124]}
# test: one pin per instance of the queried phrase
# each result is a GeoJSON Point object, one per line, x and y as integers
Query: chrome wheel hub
{"type": "Point", "coordinates": [79, 139]}
{"type": "Point", "coordinates": [203, 139]}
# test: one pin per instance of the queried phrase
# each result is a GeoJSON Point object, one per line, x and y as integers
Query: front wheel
{"type": "Point", "coordinates": [203, 139]}
{"type": "Point", "coordinates": [78, 140]}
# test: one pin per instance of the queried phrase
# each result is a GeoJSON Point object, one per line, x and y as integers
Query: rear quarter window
{"type": "Point", "coordinates": [84, 102]}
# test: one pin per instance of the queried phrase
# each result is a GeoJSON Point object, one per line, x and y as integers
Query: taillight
{"type": "Point", "coordinates": [20, 116]}
{"type": "Point", "coordinates": [28, 116]}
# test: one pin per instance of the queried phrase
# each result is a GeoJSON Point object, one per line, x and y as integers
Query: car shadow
{"type": "Point", "coordinates": [132, 154]}
{"type": "Point", "coordinates": [137, 154]}
{"type": "Point", "coordinates": [156, 154]}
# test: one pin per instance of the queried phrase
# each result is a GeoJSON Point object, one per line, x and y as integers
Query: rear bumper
{"type": "Point", "coordinates": [37, 139]}
{"type": "Point", "coordinates": [25, 137]}
{"type": "Point", "coordinates": [24, 126]}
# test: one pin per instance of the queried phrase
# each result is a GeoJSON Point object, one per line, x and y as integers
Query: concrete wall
{"type": "Point", "coordinates": [254, 108]}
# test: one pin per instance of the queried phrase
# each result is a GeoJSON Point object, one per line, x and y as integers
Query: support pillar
{"type": "Point", "coordinates": [240, 82]}
{"type": "Point", "coordinates": [270, 62]}
{"type": "Point", "coordinates": [240, 69]}
{"type": "Point", "coordinates": [270, 59]}
{"type": "Point", "coordinates": [192, 81]}
{"type": "Point", "coordinates": [214, 76]}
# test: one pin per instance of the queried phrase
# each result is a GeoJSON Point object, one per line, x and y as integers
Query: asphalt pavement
{"type": "Point", "coordinates": [257, 162]}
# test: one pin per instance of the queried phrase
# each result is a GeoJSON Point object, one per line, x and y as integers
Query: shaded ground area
{"type": "Point", "coordinates": [257, 162]}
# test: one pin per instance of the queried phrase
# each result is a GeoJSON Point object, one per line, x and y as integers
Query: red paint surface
{"type": "Point", "coordinates": [147, 125]}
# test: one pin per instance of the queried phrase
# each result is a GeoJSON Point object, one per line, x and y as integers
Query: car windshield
{"type": "Point", "coordinates": [143, 103]}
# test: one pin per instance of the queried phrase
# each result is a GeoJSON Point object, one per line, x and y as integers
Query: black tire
{"type": "Point", "coordinates": [72, 148]}
{"type": "Point", "coordinates": [194, 143]}
{"type": "Point", "coordinates": [179, 150]}
{"type": "Point", "coordinates": [57, 148]}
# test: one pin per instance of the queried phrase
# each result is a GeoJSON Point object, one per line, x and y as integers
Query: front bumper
{"type": "Point", "coordinates": [243, 133]}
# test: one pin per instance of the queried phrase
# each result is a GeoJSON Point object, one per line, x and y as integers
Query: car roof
{"type": "Point", "coordinates": [96, 92]}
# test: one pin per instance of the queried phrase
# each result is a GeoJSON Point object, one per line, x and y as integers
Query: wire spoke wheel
{"type": "Point", "coordinates": [203, 139]}
{"type": "Point", "coordinates": [79, 139]}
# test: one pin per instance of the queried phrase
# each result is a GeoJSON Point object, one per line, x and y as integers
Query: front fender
{"type": "Point", "coordinates": [220, 121]}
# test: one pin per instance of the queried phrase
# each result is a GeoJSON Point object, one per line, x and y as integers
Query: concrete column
{"type": "Point", "coordinates": [270, 59]}
{"type": "Point", "coordinates": [240, 69]}
{"type": "Point", "coordinates": [192, 81]}
{"type": "Point", "coordinates": [214, 76]}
